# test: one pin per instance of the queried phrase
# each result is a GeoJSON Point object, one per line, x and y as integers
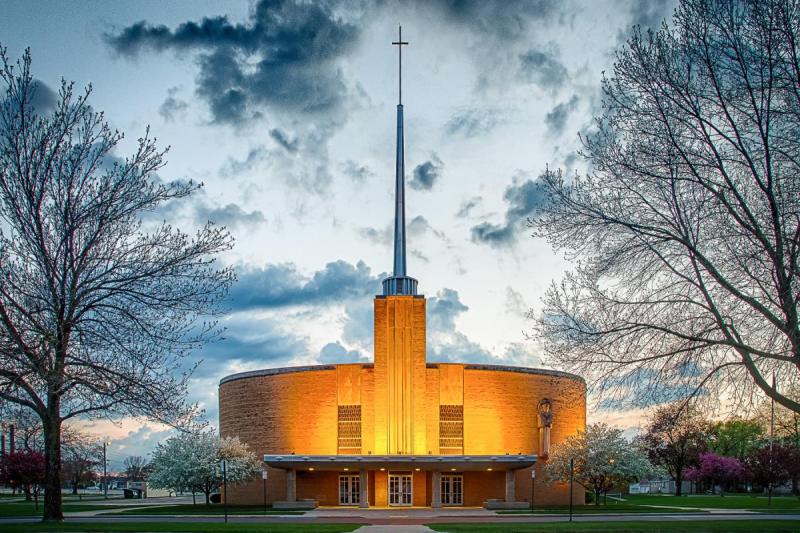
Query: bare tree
{"type": "Point", "coordinates": [97, 310]}
{"type": "Point", "coordinates": [81, 454]}
{"type": "Point", "coordinates": [136, 467]}
{"type": "Point", "coordinates": [686, 230]}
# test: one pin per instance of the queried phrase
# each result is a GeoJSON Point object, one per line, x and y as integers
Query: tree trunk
{"type": "Point", "coordinates": [678, 485]}
{"type": "Point", "coordinates": [75, 487]}
{"type": "Point", "coordinates": [597, 497]}
{"type": "Point", "coordinates": [53, 509]}
{"type": "Point", "coordinates": [208, 496]}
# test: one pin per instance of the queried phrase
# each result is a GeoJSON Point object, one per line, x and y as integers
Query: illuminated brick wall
{"type": "Point", "coordinates": [297, 412]}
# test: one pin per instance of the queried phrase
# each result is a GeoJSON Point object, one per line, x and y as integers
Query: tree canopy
{"type": "Point", "coordinates": [190, 461]}
{"type": "Point", "coordinates": [602, 458]}
{"type": "Point", "coordinates": [686, 229]}
{"type": "Point", "coordinates": [97, 309]}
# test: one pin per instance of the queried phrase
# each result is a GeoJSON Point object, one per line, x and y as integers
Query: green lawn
{"type": "Point", "coordinates": [643, 503]}
{"type": "Point", "coordinates": [214, 509]}
{"type": "Point", "coordinates": [601, 509]}
{"type": "Point", "coordinates": [717, 526]}
{"type": "Point", "coordinates": [24, 508]}
{"type": "Point", "coordinates": [738, 501]}
{"type": "Point", "coordinates": [168, 527]}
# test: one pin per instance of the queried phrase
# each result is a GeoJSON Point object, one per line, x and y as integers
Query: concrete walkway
{"type": "Point", "coordinates": [393, 529]}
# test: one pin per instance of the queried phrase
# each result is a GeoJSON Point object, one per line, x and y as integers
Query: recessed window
{"type": "Point", "coordinates": [451, 429]}
{"type": "Point", "coordinates": [349, 427]}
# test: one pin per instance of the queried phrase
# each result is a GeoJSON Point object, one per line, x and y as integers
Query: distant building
{"type": "Point", "coordinates": [402, 431]}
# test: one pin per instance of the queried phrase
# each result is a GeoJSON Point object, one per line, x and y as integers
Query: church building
{"type": "Point", "coordinates": [402, 431]}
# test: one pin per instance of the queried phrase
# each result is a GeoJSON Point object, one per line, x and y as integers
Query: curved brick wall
{"type": "Point", "coordinates": [284, 411]}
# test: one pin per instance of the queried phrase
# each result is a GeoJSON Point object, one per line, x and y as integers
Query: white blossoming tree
{"type": "Point", "coordinates": [602, 459]}
{"type": "Point", "coordinates": [190, 462]}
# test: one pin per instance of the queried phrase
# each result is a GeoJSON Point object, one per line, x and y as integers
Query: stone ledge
{"type": "Point", "coordinates": [502, 504]}
{"type": "Point", "coordinates": [299, 504]}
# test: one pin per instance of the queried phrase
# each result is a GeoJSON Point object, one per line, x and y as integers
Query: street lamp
{"type": "Point", "coordinates": [106, 444]}
{"type": "Point", "coordinates": [533, 485]}
{"type": "Point", "coordinates": [225, 488]}
{"type": "Point", "coordinates": [571, 483]}
{"type": "Point", "coordinates": [264, 475]}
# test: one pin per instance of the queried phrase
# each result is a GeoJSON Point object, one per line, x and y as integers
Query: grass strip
{"type": "Point", "coordinates": [189, 509]}
{"type": "Point", "coordinates": [697, 526]}
{"type": "Point", "coordinates": [176, 527]}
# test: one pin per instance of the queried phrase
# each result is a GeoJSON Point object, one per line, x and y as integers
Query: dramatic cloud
{"type": "Point", "coordinates": [255, 157]}
{"type": "Point", "coordinates": [504, 21]}
{"type": "Point", "coordinates": [426, 174]}
{"type": "Point", "coordinates": [280, 137]}
{"type": "Point", "coordinates": [515, 303]}
{"type": "Point", "coordinates": [282, 285]}
{"type": "Point", "coordinates": [356, 172]}
{"type": "Point", "coordinates": [335, 353]}
{"type": "Point", "coordinates": [467, 206]}
{"type": "Point", "coordinates": [473, 122]}
{"type": "Point", "coordinates": [524, 199]}
{"type": "Point", "coordinates": [285, 55]}
{"type": "Point", "coordinates": [445, 342]}
{"type": "Point", "coordinates": [44, 98]}
{"type": "Point", "coordinates": [230, 215]}
{"type": "Point", "coordinates": [544, 68]}
{"type": "Point", "coordinates": [647, 15]}
{"type": "Point", "coordinates": [416, 227]}
{"type": "Point", "coordinates": [252, 342]}
{"type": "Point", "coordinates": [172, 107]}
{"type": "Point", "coordinates": [556, 119]}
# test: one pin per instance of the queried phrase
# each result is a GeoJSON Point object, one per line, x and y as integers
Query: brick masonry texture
{"type": "Point", "coordinates": [289, 412]}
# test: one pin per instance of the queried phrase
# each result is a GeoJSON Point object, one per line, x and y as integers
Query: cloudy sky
{"type": "Point", "coordinates": [285, 110]}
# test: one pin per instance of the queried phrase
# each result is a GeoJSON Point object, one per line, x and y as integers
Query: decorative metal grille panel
{"type": "Point", "coordinates": [451, 428]}
{"type": "Point", "coordinates": [349, 429]}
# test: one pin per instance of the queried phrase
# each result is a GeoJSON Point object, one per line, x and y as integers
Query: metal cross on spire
{"type": "Point", "coordinates": [400, 43]}
{"type": "Point", "coordinates": [400, 283]}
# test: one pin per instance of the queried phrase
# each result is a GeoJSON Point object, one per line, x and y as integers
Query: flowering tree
{"type": "Point", "coordinates": [24, 470]}
{"type": "Point", "coordinates": [190, 462]}
{"type": "Point", "coordinates": [773, 466]}
{"type": "Point", "coordinates": [674, 440]}
{"type": "Point", "coordinates": [602, 458]}
{"type": "Point", "coordinates": [715, 469]}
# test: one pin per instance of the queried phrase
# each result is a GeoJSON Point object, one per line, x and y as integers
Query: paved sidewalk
{"type": "Point", "coordinates": [393, 529]}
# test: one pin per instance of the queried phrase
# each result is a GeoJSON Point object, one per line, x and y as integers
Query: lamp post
{"type": "Point", "coordinates": [225, 489]}
{"type": "Point", "coordinates": [264, 475]}
{"type": "Point", "coordinates": [571, 482]}
{"type": "Point", "coordinates": [105, 470]}
{"type": "Point", "coordinates": [533, 485]}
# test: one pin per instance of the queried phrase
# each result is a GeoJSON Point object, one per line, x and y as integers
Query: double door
{"type": "Point", "coordinates": [452, 489]}
{"type": "Point", "coordinates": [400, 488]}
{"type": "Point", "coordinates": [349, 489]}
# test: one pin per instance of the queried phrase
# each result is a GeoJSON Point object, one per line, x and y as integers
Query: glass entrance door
{"type": "Point", "coordinates": [452, 489]}
{"type": "Point", "coordinates": [349, 489]}
{"type": "Point", "coordinates": [400, 492]}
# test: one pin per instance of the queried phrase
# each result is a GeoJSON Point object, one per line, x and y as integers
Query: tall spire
{"type": "Point", "coordinates": [400, 283]}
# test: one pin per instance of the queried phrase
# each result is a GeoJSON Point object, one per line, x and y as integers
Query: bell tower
{"type": "Point", "coordinates": [400, 330]}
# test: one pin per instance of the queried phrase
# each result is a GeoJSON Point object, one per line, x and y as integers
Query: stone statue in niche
{"type": "Point", "coordinates": [545, 409]}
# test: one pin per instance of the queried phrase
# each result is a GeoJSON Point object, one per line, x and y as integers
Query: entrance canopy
{"type": "Point", "coordinates": [400, 462]}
